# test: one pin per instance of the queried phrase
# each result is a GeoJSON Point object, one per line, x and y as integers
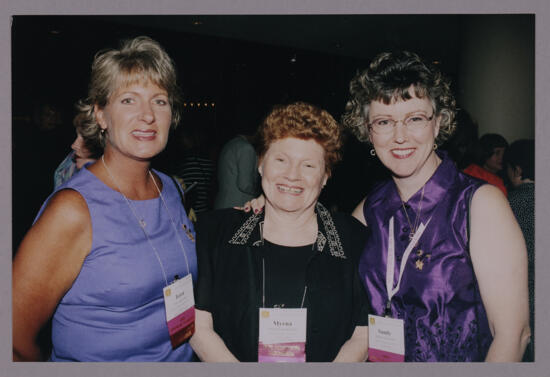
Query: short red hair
{"type": "Point", "coordinates": [302, 121]}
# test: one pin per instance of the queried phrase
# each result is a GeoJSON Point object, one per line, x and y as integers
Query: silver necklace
{"type": "Point", "coordinates": [141, 221]}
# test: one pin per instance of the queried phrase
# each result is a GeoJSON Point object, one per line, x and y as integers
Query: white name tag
{"type": "Point", "coordinates": [282, 337]}
{"type": "Point", "coordinates": [386, 339]}
{"type": "Point", "coordinates": [180, 310]}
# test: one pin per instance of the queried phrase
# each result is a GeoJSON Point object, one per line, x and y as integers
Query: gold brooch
{"type": "Point", "coordinates": [421, 258]}
{"type": "Point", "coordinates": [188, 232]}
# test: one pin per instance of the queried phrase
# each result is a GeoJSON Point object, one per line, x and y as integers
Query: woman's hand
{"type": "Point", "coordinates": [355, 349]}
{"type": "Point", "coordinates": [257, 205]}
{"type": "Point", "coordinates": [45, 266]}
{"type": "Point", "coordinates": [499, 258]}
{"type": "Point", "coordinates": [206, 343]}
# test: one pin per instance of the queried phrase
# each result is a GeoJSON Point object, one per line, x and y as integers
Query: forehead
{"type": "Point", "coordinates": [126, 79]}
{"type": "Point", "coordinates": [399, 107]}
{"type": "Point", "coordinates": [136, 85]}
{"type": "Point", "coordinates": [297, 148]}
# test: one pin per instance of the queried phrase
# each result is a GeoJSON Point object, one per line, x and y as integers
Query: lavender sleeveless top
{"type": "Point", "coordinates": [439, 297]}
{"type": "Point", "coordinates": [114, 310]}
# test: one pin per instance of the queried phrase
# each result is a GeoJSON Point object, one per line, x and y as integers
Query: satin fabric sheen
{"type": "Point", "coordinates": [439, 297]}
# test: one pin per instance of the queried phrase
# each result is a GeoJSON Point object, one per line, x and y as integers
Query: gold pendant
{"type": "Point", "coordinates": [419, 265]}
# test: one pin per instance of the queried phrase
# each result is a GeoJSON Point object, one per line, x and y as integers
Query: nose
{"type": "Point", "coordinates": [147, 113]}
{"type": "Point", "coordinates": [77, 143]}
{"type": "Point", "coordinates": [400, 132]}
{"type": "Point", "coordinates": [293, 172]}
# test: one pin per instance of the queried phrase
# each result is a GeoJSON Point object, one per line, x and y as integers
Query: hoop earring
{"type": "Point", "coordinates": [372, 152]}
{"type": "Point", "coordinates": [435, 147]}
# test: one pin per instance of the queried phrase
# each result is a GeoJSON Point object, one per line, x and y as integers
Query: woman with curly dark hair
{"type": "Point", "coordinates": [446, 260]}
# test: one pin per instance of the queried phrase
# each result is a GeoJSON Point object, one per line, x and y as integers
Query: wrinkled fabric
{"type": "Point", "coordinates": [439, 297]}
{"type": "Point", "coordinates": [114, 310]}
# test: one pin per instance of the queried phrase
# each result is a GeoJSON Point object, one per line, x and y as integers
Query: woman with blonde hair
{"type": "Point", "coordinates": [112, 247]}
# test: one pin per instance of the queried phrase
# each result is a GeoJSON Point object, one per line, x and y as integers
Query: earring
{"type": "Point", "coordinates": [435, 147]}
{"type": "Point", "coordinates": [372, 152]}
{"type": "Point", "coordinates": [102, 132]}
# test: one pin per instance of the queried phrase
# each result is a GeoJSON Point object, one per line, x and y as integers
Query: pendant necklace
{"type": "Point", "coordinates": [414, 227]}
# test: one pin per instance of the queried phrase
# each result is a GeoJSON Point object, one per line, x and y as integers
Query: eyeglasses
{"type": "Point", "coordinates": [414, 122]}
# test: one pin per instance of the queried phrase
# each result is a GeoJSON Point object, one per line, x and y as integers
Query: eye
{"type": "Point", "coordinates": [127, 100]}
{"type": "Point", "coordinates": [309, 165]}
{"type": "Point", "coordinates": [382, 122]}
{"type": "Point", "coordinates": [416, 118]}
{"type": "Point", "coordinates": [161, 101]}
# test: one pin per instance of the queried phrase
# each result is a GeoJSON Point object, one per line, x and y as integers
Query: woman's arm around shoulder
{"type": "Point", "coordinates": [499, 258]}
{"type": "Point", "coordinates": [45, 266]}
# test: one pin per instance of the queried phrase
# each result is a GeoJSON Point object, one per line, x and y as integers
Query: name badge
{"type": "Point", "coordinates": [282, 335]}
{"type": "Point", "coordinates": [386, 339]}
{"type": "Point", "coordinates": [180, 310]}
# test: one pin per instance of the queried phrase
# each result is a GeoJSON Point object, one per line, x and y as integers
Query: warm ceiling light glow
{"type": "Point", "coordinates": [213, 104]}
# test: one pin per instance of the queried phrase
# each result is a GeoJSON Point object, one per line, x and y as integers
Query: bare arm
{"type": "Point", "coordinates": [355, 349]}
{"type": "Point", "coordinates": [206, 343]}
{"type": "Point", "coordinates": [499, 258]}
{"type": "Point", "coordinates": [358, 212]}
{"type": "Point", "coordinates": [45, 266]}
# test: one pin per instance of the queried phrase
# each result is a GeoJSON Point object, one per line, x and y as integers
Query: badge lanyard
{"type": "Point", "coordinates": [390, 265]}
{"type": "Point", "coordinates": [179, 302]}
{"type": "Point", "coordinates": [282, 332]}
{"type": "Point", "coordinates": [263, 287]}
{"type": "Point", "coordinates": [142, 225]}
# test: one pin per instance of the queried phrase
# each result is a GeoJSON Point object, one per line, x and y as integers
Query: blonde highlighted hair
{"type": "Point", "coordinates": [138, 60]}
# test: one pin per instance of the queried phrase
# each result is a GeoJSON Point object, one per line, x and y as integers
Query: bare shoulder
{"type": "Point", "coordinates": [47, 263]}
{"type": "Point", "coordinates": [64, 226]}
{"type": "Point", "coordinates": [494, 227]}
{"type": "Point", "coordinates": [67, 205]}
{"type": "Point", "coordinates": [358, 212]}
{"type": "Point", "coordinates": [488, 200]}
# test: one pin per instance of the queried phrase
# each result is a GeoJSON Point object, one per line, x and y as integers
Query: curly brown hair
{"type": "Point", "coordinates": [390, 77]}
{"type": "Point", "coordinates": [302, 121]}
{"type": "Point", "coordinates": [138, 60]}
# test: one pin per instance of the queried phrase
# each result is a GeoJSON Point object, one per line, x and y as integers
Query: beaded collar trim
{"type": "Point", "coordinates": [326, 235]}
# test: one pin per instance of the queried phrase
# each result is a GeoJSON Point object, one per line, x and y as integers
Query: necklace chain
{"type": "Point", "coordinates": [141, 222]}
{"type": "Point", "coordinates": [417, 217]}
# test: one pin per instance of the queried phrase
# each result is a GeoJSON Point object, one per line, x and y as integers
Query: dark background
{"type": "Point", "coordinates": [236, 67]}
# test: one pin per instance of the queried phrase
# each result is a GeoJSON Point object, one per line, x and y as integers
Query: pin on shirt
{"type": "Point", "coordinates": [188, 232]}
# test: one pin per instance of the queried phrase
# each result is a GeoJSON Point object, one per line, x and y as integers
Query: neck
{"type": "Point", "coordinates": [131, 178]}
{"type": "Point", "coordinates": [408, 186]}
{"type": "Point", "coordinates": [489, 169]}
{"type": "Point", "coordinates": [289, 228]}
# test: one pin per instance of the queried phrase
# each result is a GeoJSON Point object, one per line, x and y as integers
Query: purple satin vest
{"type": "Point", "coordinates": [439, 297]}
